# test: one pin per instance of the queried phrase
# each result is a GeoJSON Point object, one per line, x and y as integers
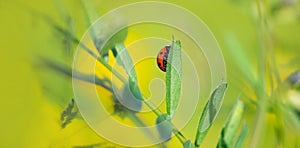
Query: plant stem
{"type": "Point", "coordinates": [261, 84]}
{"type": "Point", "coordinates": [90, 79]}
{"type": "Point", "coordinates": [177, 133]}
{"type": "Point", "coordinates": [151, 106]}
{"type": "Point", "coordinates": [120, 77]}
{"type": "Point", "coordinates": [46, 18]}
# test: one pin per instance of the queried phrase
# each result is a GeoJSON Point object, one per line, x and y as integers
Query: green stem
{"type": "Point", "coordinates": [261, 84]}
{"type": "Point", "coordinates": [76, 41]}
{"type": "Point", "coordinates": [177, 133]}
{"type": "Point", "coordinates": [118, 75]}
{"type": "Point", "coordinates": [151, 106]}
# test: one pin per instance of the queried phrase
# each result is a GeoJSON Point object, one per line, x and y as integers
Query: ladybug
{"type": "Point", "coordinates": [162, 58]}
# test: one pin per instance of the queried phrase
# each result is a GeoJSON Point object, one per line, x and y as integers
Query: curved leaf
{"type": "Point", "coordinates": [241, 138]}
{"type": "Point", "coordinates": [173, 77]}
{"type": "Point", "coordinates": [231, 126]}
{"type": "Point", "coordinates": [125, 60]}
{"type": "Point", "coordinates": [129, 100]}
{"type": "Point", "coordinates": [210, 112]}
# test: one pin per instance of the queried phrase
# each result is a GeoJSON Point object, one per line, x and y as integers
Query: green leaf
{"type": "Point", "coordinates": [129, 100]}
{"type": "Point", "coordinates": [210, 112]}
{"type": "Point", "coordinates": [242, 137]}
{"type": "Point", "coordinates": [173, 77]}
{"type": "Point", "coordinates": [125, 60]}
{"type": "Point", "coordinates": [188, 144]}
{"type": "Point", "coordinates": [164, 126]}
{"type": "Point", "coordinates": [230, 128]}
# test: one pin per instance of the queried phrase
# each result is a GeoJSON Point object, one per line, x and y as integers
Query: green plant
{"type": "Point", "coordinates": [173, 87]}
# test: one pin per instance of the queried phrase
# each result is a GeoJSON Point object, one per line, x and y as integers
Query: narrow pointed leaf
{"type": "Point", "coordinates": [231, 126]}
{"type": "Point", "coordinates": [173, 77]}
{"type": "Point", "coordinates": [242, 137]}
{"type": "Point", "coordinates": [210, 112]}
{"type": "Point", "coordinates": [125, 60]}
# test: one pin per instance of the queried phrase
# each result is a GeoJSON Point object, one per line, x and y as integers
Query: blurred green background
{"type": "Point", "coordinates": [33, 97]}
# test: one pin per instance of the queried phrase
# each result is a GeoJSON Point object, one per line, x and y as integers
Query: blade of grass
{"type": "Point", "coordinates": [231, 126]}
{"type": "Point", "coordinates": [126, 62]}
{"type": "Point", "coordinates": [210, 112]}
{"type": "Point", "coordinates": [261, 87]}
{"type": "Point", "coordinates": [241, 137]}
{"type": "Point", "coordinates": [173, 78]}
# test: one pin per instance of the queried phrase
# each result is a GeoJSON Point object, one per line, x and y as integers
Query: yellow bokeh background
{"type": "Point", "coordinates": [33, 97]}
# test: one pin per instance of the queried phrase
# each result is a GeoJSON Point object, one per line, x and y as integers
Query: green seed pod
{"type": "Point", "coordinates": [164, 126]}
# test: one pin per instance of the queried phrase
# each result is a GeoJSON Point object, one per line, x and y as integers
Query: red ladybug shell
{"type": "Point", "coordinates": [162, 58]}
